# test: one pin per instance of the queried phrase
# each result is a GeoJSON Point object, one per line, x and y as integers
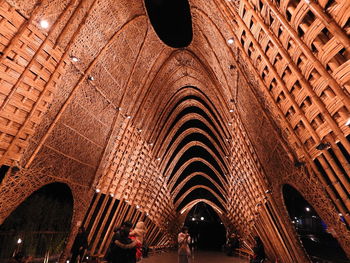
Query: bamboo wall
{"type": "Point", "coordinates": [98, 102]}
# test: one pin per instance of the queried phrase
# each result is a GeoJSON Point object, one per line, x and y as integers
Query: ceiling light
{"type": "Point", "coordinates": [98, 190]}
{"type": "Point", "coordinates": [158, 159]}
{"type": "Point", "coordinates": [91, 78]}
{"type": "Point", "coordinates": [348, 122]}
{"type": "Point", "coordinates": [230, 41]}
{"type": "Point", "coordinates": [137, 206]}
{"type": "Point", "coordinates": [231, 110]}
{"type": "Point", "coordinates": [193, 219]}
{"type": "Point", "coordinates": [202, 218]}
{"type": "Point", "coordinates": [128, 117]}
{"type": "Point", "coordinates": [307, 209]}
{"type": "Point", "coordinates": [340, 214]}
{"type": "Point", "coordinates": [19, 241]}
{"type": "Point", "coordinates": [230, 124]}
{"type": "Point", "coordinates": [44, 24]}
{"type": "Point", "coordinates": [151, 144]}
{"type": "Point", "coordinates": [112, 195]}
{"type": "Point", "coordinates": [74, 59]}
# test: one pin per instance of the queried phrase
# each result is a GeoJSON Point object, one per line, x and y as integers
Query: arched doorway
{"type": "Point", "coordinates": [206, 228]}
{"type": "Point", "coordinates": [312, 231]}
{"type": "Point", "coordinates": [39, 226]}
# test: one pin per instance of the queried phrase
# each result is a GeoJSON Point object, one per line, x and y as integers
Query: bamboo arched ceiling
{"type": "Point", "coordinates": [227, 120]}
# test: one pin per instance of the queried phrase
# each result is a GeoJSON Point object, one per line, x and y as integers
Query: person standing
{"type": "Point", "coordinates": [116, 235]}
{"type": "Point", "coordinates": [138, 234]}
{"type": "Point", "coordinates": [79, 245]}
{"type": "Point", "coordinates": [184, 240]}
{"type": "Point", "coordinates": [124, 249]}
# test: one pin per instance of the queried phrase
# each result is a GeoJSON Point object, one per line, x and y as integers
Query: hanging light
{"type": "Point", "coordinates": [231, 110]}
{"type": "Point", "coordinates": [98, 190]}
{"type": "Point", "coordinates": [19, 241]}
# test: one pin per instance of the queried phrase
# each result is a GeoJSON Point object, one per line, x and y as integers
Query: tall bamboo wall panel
{"type": "Point", "coordinates": [28, 78]}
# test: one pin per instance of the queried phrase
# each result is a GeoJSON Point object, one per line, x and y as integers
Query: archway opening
{"type": "Point", "coordinates": [205, 227]}
{"type": "Point", "coordinates": [39, 226]}
{"type": "Point", "coordinates": [313, 233]}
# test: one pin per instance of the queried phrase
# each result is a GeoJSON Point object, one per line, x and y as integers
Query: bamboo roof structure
{"type": "Point", "coordinates": [90, 96]}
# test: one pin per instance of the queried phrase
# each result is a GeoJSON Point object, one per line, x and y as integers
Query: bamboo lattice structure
{"type": "Point", "coordinates": [97, 101]}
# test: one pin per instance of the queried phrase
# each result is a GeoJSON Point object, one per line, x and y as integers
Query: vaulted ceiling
{"type": "Point", "coordinates": [102, 99]}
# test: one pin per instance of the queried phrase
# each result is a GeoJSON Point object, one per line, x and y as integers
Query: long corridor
{"type": "Point", "coordinates": [198, 257]}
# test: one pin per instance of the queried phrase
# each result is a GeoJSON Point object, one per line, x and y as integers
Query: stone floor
{"type": "Point", "coordinates": [198, 257]}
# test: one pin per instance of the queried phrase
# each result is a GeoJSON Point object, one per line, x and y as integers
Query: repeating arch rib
{"type": "Point", "coordinates": [181, 185]}
{"type": "Point", "coordinates": [179, 201]}
{"type": "Point", "coordinates": [176, 176]}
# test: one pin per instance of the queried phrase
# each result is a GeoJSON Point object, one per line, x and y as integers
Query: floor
{"type": "Point", "coordinates": [198, 257]}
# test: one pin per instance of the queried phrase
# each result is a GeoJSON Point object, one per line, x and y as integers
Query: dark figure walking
{"type": "Point", "coordinates": [79, 245]}
{"type": "Point", "coordinates": [259, 251]}
{"type": "Point", "coordinates": [123, 248]}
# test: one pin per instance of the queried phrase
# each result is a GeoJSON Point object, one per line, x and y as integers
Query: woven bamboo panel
{"type": "Point", "coordinates": [303, 62]}
{"type": "Point", "coordinates": [132, 174]}
{"type": "Point", "coordinates": [28, 77]}
{"type": "Point", "coordinates": [291, 93]}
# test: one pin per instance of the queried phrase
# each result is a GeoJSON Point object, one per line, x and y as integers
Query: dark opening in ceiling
{"type": "Point", "coordinates": [171, 19]}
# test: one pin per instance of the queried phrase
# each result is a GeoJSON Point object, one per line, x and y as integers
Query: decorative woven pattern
{"type": "Point", "coordinates": [27, 77]}
{"type": "Point", "coordinates": [302, 56]}
{"type": "Point", "coordinates": [260, 98]}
